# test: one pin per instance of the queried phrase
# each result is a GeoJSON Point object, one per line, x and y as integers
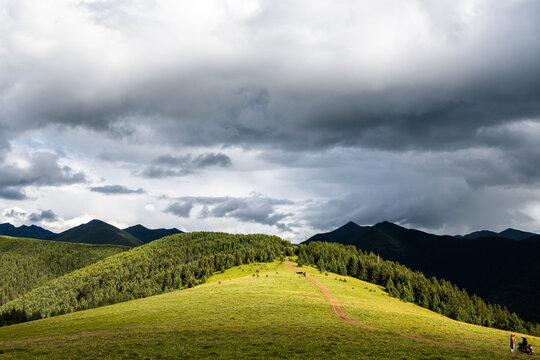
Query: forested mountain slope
{"type": "Point", "coordinates": [437, 295]}
{"type": "Point", "coordinates": [499, 270]}
{"type": "Point", "coordinates": [29, 263]}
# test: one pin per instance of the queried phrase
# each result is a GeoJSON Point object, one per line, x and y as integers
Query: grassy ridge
{"type": "Point", "coordinates": [29, 263]}
{"type": "Point", "coordinates": [173, 262]}
{"type": "Point", "coordinates": [237, 315]}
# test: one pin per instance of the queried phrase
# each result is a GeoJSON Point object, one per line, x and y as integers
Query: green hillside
{"type": "Point", "coordinates": [275, 315]}
{"type": "Point", "coordinates": [167, 264]}
{"type": "Point", "coordinates": [97, 232]}
{"type": "Point", "coordinates": [29, 263]}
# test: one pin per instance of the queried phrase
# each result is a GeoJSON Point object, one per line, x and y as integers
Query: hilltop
{"type": "Point", "coordinates": [97, 232]}
{"type": "Point", "coordinates": [170, 263]}
{"type": "Point", "coordinates": [499, 270]}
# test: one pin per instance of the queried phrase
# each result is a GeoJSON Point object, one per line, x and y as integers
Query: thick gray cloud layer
{"type": "Point", "coordinates": [282, 74]}
{"type": "Point", "coordinates": [367, 111]}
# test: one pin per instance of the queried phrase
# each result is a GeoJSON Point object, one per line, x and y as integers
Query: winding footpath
{"type": "Point", "coordinates": [341, 314]}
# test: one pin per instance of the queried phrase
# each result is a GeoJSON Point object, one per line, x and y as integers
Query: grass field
{"type": "Point", "coordinates": [278, 314]}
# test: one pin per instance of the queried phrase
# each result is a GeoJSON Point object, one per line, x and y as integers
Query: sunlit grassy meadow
{"type": "Point", "coordinates": [238, 315]}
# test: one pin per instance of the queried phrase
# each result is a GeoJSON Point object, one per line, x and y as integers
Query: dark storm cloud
{"type": "Point", "coordinates": [255, 209]}
{"type": "Point", "coordinates": [116, 190]}
{"type": "Point", "coordinates": [432, 95]}
{"type": "Point", "coordinates": [42, 169]}
{"type": "Point", "coordinates": [44, 215]}
{"type": "Point", "coordinates": [12, 193]}
{"type": "Point", "coordinates": [168, 166]}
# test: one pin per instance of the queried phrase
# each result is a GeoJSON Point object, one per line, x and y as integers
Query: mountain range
{"type": "Point", "coordinates": [93, 232]}
{"type": "Point", "coordinates": [500, 270]}
{"type": "Point", "coordinates": [32, 231]}
{"type": "Point", "coordinates": [511, 234]}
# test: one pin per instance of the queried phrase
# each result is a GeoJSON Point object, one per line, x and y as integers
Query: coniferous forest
{"type": "Point", "coordinates": [170, 263]}
{"type": "Point", "coordinates": [437, 295]}
{"type": "Point", "coordinates": [29, 263]}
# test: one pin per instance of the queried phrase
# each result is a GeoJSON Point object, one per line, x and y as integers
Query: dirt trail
{"type": "Point", "coordinates": [344, 316]}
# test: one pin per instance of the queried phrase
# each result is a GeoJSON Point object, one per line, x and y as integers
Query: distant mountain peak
{"type": "Point", "coordinates": [351, 224]}
{"type": "Point", "coordinates": [146, 235]}
{"type": "Point", "coordinates": [97, 232]}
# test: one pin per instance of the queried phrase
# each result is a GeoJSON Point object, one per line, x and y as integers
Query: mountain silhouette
{"type": "Point", "coordinates": [509, 233]}
{"type": "Point", "coordinates": [146, 235]}
{"type": "Point", "coordinates": [97, 232]}
{"type": "Point", "coordinates": [32, 231]}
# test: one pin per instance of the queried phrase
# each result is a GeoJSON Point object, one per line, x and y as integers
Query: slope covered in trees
{"type": "Point", "coordinates": [29, 263]}
{"type": "Point", "coordinates": [437, 295]}
{"type": "Point", "coordinates": [173, 262]}
{"type": "Point", "coordinates": [97, 232]}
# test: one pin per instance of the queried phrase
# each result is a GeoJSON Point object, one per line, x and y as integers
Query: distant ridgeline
{"type": "Point", "coordinates": [411, 286]}
{"type": "Point", "coordinates": [170, 263]}
{"type": "Point", "coordinates": [29, 263]}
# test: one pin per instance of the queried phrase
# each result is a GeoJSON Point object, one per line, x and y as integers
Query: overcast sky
{"type": "Point", "coordinates": [283, 117]}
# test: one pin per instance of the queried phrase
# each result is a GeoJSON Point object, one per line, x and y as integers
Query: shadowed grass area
{"type": "Point", "coordinates": [237, 315]}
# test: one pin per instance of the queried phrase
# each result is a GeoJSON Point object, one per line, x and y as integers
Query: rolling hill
{"type": "Point", "coordinates": [499, 270]}
{"type": "Point", "coordinates": [146, 235]}
{"type": "Point", "coordinates": [97, 232]}
{"type": "Point", "coordinates": [173, 262]}
{"type": "Point", "coordinates": [26, 264]}
{"type": "Point", "coordinates": [23, 231]}
{"type": "Point", "coordinates": [276, 315]}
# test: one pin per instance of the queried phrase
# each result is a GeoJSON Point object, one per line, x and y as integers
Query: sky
{"type": "Point", "coordinates": [281, 117]}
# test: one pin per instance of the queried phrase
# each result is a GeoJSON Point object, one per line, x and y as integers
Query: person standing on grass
{"type": "Point", "coordinates": [512, 342]}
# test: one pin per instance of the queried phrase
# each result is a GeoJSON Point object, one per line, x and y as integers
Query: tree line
{"type": "Point", "coordinates": [170, 263]}
{"type": "Point", "coordinates": [440, 296]}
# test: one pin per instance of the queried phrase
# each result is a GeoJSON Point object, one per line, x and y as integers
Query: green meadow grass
{"type": "Point", "coordinates": [235, 315]}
